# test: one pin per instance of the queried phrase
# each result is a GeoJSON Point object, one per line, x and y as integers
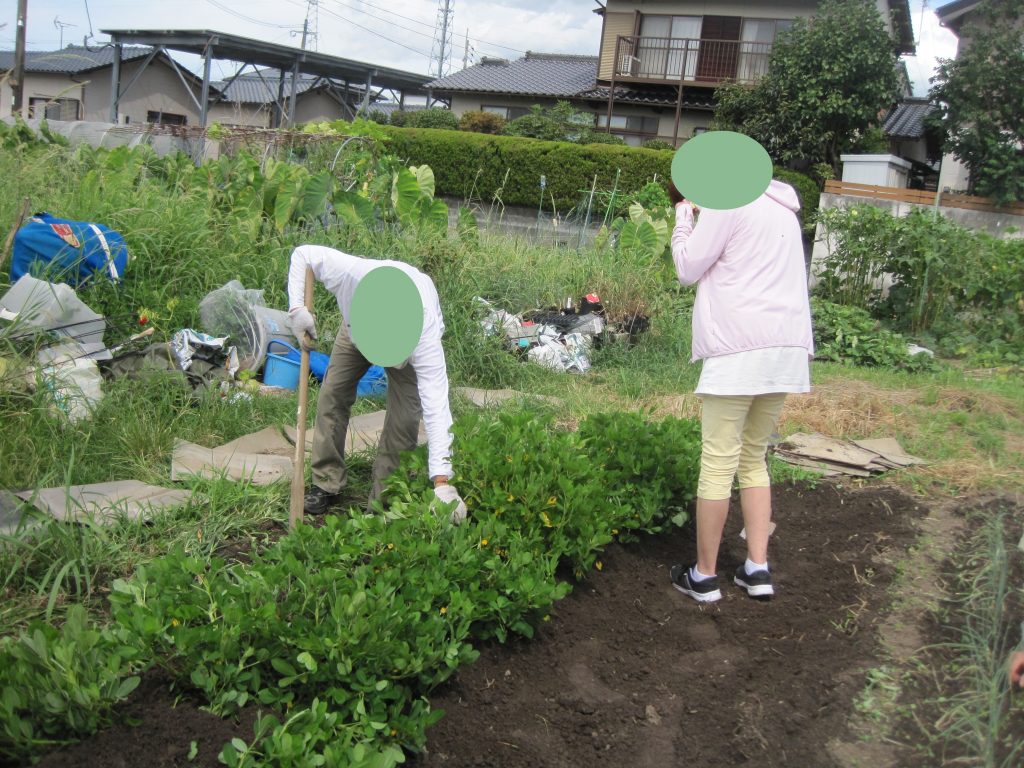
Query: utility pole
{"type": "Point", "coordinates": [18, 75]}
{"type": "Point", "coordinates": [312, 8]}
{"type": "Point", "coordinates": [443, 40]}
{"type": "Point", "coordinates": [465, 51]}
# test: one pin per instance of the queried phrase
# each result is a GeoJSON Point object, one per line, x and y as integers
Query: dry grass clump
{"type": "Point", "coordinates": [852, 409]}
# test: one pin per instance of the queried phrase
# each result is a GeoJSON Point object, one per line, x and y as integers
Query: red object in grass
{"type": "Point", "coordinates": [143, 319]}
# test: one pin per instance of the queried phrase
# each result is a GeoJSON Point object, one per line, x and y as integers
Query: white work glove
{"type": "Point", "coordinates": [447, 494]}
{"type": "Point", "coordinates": [303, 326]}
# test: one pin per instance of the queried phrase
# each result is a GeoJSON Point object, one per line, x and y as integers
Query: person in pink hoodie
{"type": "Point", "coordinates": [752, 329]}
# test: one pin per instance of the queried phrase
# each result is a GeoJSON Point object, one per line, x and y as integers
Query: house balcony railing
{"type": "Point", "coordinates": [701, 62]}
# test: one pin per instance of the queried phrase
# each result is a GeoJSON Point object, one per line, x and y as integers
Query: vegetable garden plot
{"type": "Point", "coordinates": [614, 676]}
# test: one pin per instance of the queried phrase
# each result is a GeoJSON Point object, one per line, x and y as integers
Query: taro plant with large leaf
{"type": "Point", "coordinates": [645, 232]}
{"type": "Point", "coordinates": [412, 196]}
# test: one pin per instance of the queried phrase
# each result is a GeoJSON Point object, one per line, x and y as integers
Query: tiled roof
{"type": "Point", "coordinates": [251, 89]}
{"type": "Point", "coordinates": [906, 120]}
{"type": "Point", "coordinates": [72, 59]}
{"type": "Point", "coordinates": [652, 96]}
{"type": "Point", "coordinates": [389, 107]}
{"type": "Point", "coordinates": [535, 74]}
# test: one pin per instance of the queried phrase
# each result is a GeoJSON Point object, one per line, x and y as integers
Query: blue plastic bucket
{"type": "Point", "coordinates": [281, 370]}
{"type": "Point", "coordinates": [287, 368]}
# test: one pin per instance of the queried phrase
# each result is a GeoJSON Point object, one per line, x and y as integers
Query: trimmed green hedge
{"type": "Point", "coordinates": [480, 166]}
{"type": "Point", "coordinates": [475, 165]}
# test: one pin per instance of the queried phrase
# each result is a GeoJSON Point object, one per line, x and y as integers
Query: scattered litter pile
{"type": "Point", "coordinates": [854, 458]}
{"type": "Point", "coordinates": [561, 339]}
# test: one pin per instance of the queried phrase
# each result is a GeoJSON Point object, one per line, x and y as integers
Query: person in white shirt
{"type": "Point", "coordinates": [417, 387]}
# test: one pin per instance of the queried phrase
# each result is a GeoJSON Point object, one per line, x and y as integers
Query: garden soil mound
{"type": "Point", "coordinates": [629, 672]}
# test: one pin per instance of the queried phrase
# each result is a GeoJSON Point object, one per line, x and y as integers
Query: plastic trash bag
{"type": "Point", "coordinates": [73, 380]}
{"type": "Point", "coordinates": [241, 314]}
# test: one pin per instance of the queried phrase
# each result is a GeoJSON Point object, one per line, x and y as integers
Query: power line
{"type": "Point", "coordinates": [431, 26]}
{"type": "Point", "coordinates": [417, 21]}
{"type": "Point", "coordinates": [387, 21]}
{"type": "Point", "coordinates": [371, 31]}
{"type": "Point", "coordinates": [250, 19]}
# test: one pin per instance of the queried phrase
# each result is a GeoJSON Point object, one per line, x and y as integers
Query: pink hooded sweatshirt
{"type": "Point", "coordinates": [748, 264]}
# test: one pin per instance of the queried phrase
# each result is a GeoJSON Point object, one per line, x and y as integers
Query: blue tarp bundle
{"type": "Point", "coordinates": [65, 251]}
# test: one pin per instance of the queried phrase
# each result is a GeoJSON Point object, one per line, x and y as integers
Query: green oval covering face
{"type": "Point", "coordinates": [721, 170]}
{"type": "Point", "coordinates": [386, 316]}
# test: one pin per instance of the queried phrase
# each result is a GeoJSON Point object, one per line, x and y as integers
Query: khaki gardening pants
{"type": "Point", "coordinates": [735, 430]}
{"type": "Point", "coordinates": [337, 394]}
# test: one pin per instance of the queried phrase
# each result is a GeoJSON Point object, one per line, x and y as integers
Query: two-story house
{"type": "Point", "coordinates": [658, 65]}
{"type": "Point", "coordinates": [962, 18]}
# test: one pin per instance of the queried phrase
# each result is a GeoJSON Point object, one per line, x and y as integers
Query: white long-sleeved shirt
{"type": "Point", "coordinates": [340, 273]}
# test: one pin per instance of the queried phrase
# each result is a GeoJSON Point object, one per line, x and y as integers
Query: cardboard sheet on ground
{"type": "Point", "coordinates": [484, 398]}
{"type": "Point", "coordinates": [833, 456]}
{"type": "Point", "coordinates": [261, 458]}
{"type": "Point", "coordinates": [266, 456]}
{"type": "Point", "coordinates": [363, 433]}
{"type": "Point", "coordinates": [104, 502]}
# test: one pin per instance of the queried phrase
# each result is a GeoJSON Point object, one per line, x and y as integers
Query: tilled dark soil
{"type": "Point", "coordinates": [629, 672]}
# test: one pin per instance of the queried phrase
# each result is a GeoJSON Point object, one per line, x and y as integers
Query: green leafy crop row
{"type": "Point", "coordinates": [336, 633]}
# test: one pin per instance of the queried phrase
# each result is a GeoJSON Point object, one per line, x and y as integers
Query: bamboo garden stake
{"type": "Point", "coordinates": [299, 464]}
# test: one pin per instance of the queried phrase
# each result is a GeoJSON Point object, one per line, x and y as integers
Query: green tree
{"type": "Point", "coordinates": [478, 121]}
{"type": "Point", "coordinates": [981, 101]}
{"type": "Point", "coordinates": [433, 117]}
{"type": "Point", "coordinates": [829, 78]}
{"type": "Point", "coordinates": [562, 122]}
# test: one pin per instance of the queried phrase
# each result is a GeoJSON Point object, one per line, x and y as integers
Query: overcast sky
{"type": "Point", "coordinates": [393, 33]}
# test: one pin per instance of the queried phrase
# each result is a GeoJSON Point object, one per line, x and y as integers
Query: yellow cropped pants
{"type": "Point", "coordinates": [735, 430]}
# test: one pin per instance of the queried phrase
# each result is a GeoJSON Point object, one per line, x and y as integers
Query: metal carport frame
{"type": "Point", "coordinates": [219, 45]}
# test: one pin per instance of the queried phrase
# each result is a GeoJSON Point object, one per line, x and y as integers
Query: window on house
{"type": "Point", "coordinates": [757, 36]}
{"type": "Point", "coordinates": [509, 113]}
{"type": "Point", "coordinates": [54, 109]}
{"type": "Point", "coordinates": [165, 118]}
{"type": "Point", "coordinates": [668, 47]}
{"type": "Point", "coordinates": [630, 124]}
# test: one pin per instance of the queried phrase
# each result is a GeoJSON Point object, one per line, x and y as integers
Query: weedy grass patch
{"type": "Point", "coordinates": [966, 713]}
{"type": "Point", "coordinates": [338, 632]}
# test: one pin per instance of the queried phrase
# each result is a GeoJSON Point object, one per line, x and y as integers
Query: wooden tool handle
{"type": "Point", "coordinates": [299, 465]}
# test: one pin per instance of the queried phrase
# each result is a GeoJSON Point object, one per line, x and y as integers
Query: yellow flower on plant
{"type": "Point", "coordinates": [511, 497]}
{"type": "Point", "coordinates": [599, 565]}
{"type": "Point", "coordinates": [546, 519]}
{"type": "Point", "coordinates": [483, 542]}
{"type": "Point", "coordinates": [175, 622]}
{"type": "Point", "coordinates": [444, 609]}
{"type": "Point", "coordinates": [390, 545]}
{"type": "Point", "coordinates": [552, 501]}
